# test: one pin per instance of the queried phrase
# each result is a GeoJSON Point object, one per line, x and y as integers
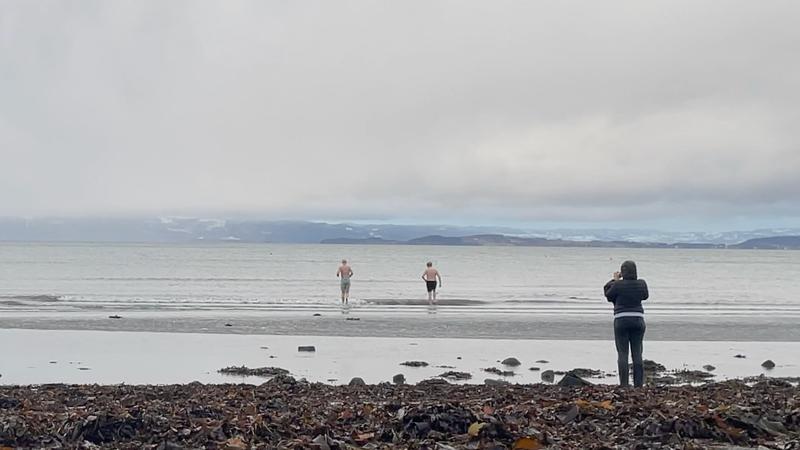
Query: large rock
{"type": "Point", "coordinates": [768, 364]}
{"type": "Point", "coordinates": [357, 382]}
{"type": "Point", "coordinates": [513, 362]}
{"type": "Point", "coordinates": [306, 348]}
{"type": "Point", "coordinates": [571, 379]}
{"type": "Point", "coordinates": [399, 379]}
{"type": "Point", "coordinates": [548, 376]}
{"type": "Point", "coordinates": [586, 373]}
{"type": "Point", "coordinates": [651, 366]}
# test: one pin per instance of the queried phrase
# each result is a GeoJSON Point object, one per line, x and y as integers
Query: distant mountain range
{"type": "Point", "coordinates": [772, 243]}
{"type": "Point", "coordinates": [515, 241]}
{"type": "Point", "coordinates": [186, 229]}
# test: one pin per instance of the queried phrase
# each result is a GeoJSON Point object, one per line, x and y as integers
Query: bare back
{"type": "Point", "coordinates": [430, 274]}
{"type": "Point", "coordinates": [345, 271]}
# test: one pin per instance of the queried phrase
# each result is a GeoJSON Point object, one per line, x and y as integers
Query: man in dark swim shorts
{"type": "Point", "coordinates": [430, 276]}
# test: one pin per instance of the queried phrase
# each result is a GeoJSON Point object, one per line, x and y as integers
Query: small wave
{"type": "Point", "coordinates": [41, 298]}
{"type": "Point", "coordinates": [418, 302]}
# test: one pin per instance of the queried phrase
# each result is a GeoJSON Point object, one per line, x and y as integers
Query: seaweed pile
{"type": "Point", "coordinates": [286, 413]}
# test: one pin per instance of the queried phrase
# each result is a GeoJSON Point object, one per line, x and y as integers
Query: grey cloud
{"type": "Point", "coordinates": [454, 110]}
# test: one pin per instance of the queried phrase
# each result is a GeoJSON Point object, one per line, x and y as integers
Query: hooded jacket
{"type": "Point", "coordinates": [628, 293]}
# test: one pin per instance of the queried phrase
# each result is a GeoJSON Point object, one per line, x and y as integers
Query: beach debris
{"type": "Point", "coordinates": [115, 317]}
{"type": "Point", "coordinates": [353, 318]}
{"type": "Point", "coordinates": [306, 348]}
{"type": "Point", "coordinates": [317, 315]}
{"type": "Point", "coordinates": [433, 382]}
{"type": "Point", "coordinates": [291, 414]}
{"type": "Point", "coordinates": [496, 371]}
{"type": "Point", "coordinates": [527, 443]}
{"type": "Point", "coordinates": [445, 367]}
{"type": "Point", "coordinates": [264, 348]}
{"type": "Point", "coordinates": [235, 443]}
{"type": "Point", "coordinates": [569, 415]}
{"type": "Point", "coordinates": [535, 369]}
{"type": "Point", "coordinates": [414, 364]}
{"type": "Point", "coordinates": [571, 379]}
{"type": "Point", "coordinates": [453, 375]}
{"type": "Point", "coordinates": [709, 368]}
{"type": "Point", "coordinates": [458, 357]}
{"type": "Point", "coordinates": [691, 376]}
{"type": "Point", "coordinates": [548, 376]}
{"type": "Point", "coordinates": [357, 381]}
{"type": "Point", "coordinates": [739, 355]}
{"type": "Point", "coordinates": [513, 362]}
{"type": "Point", "coordinates": [244, 371]}
{"type": "Point", "coordinates": [53, 362]}
{"type": "Point", "coordinates": [84, 368]}
{"type": "Point", "coordinates": [542, 361]}
{"type": "Point", "coordinates": [399, 379]}
{"type": "Point", "coordinates": [768, 364]}
{"type": "Point", "coordinates": [228, 325]}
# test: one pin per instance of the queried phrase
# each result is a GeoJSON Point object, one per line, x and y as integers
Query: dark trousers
{"type": "Point", "coordinates": [629, 333]}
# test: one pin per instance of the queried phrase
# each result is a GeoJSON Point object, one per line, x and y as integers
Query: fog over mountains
{"type": "Point", "coordinates": [186, 229]}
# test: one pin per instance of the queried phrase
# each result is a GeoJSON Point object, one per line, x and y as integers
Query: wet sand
{"type": "Point", "coordinates": [55, 356]}
{"type": "Point", "coordinates": [442, 322]}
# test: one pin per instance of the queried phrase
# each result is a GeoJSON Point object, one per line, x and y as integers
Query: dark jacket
{"type": "Point", "coordinates": [628, 293]}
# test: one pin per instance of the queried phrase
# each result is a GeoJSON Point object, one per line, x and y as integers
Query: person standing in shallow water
{"type": "Point", "coordinates": [430, 276]}
{"type": "Point", "coordinates": [627, 292]}
{"type": "Point", "coordinates": [344, 273]}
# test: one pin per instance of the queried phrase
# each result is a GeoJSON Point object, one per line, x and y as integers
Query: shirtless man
{"type": "Point", "coordinates": [430, 276]}
{"type": "Point", "coordinates": [344, 273]}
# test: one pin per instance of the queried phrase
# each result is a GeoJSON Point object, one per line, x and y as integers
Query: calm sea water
{"type": "Point", "coordinates": [477, 280]}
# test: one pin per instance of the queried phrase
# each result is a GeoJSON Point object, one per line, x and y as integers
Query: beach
{"type": "Point", "coordinates": [93, 325]}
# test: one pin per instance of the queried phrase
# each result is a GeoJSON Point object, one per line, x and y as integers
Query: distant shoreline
{"type": "Point", "coordinates": [501, 240]}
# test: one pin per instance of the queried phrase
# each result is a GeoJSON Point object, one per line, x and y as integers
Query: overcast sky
{"type": "Point", "coordinates": [684, 113]}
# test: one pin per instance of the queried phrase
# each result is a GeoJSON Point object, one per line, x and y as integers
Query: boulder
{"type": "Point", "coordinates": [306, 348]}
{"type": "Point", "coordinates": [709, 368]}
{"type": "Point", "coordinates": [513, 362]}
{"type": "Point", "coordinates": [571, 379]}
{"type": "Point", "coordinates": [357, 382]}
{"type": "Point", "coordinates": [651, 366]}
{"type": "Point", "coordinates": [586, 373]}
{"type": "Point", "coordinates": [548, 376]}
{"type": "Point", "coordinates": [399, 379]}
{"type": "Point", "coordinates": [768, 364]}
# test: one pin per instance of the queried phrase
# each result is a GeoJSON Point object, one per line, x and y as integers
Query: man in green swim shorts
{"type": "Point", "coordinates": [344, 273]}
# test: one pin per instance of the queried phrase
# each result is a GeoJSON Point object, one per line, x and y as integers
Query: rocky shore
{"type": "Point", "coordinates": [286, 413]}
